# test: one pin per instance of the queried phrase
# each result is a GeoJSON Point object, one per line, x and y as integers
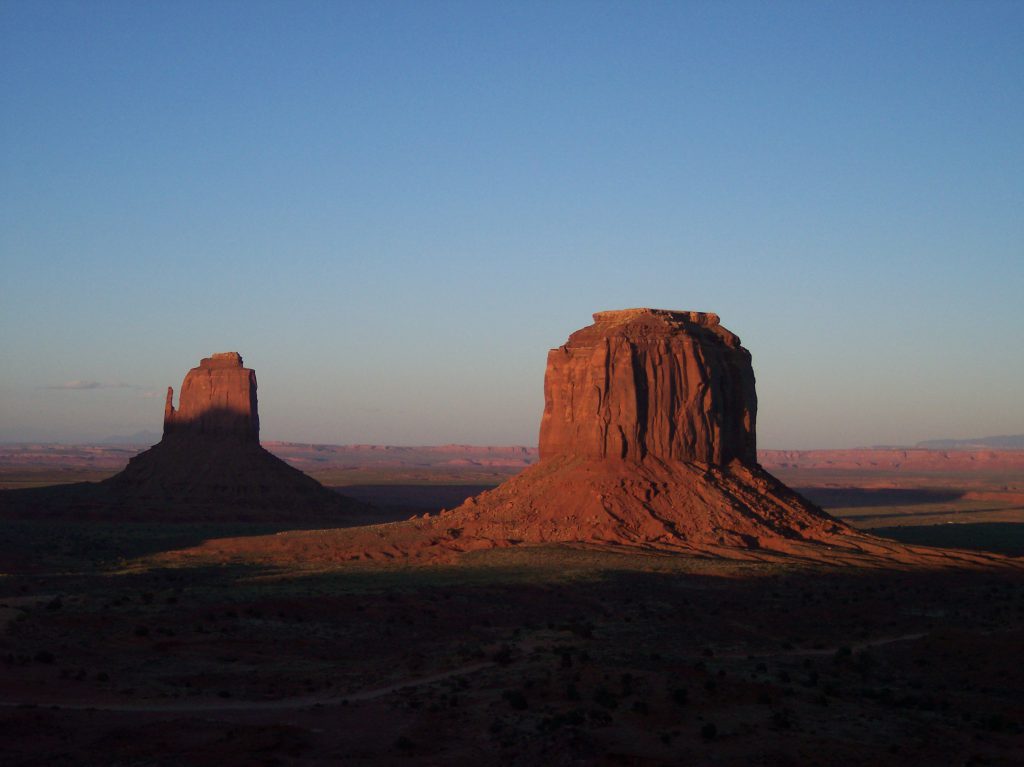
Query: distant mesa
{"type": "Point", "coordinates": [210, 456]}
{"type": "Point", "coordinates": [1001, 442]}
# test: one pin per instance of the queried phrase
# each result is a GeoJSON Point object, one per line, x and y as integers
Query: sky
{"type": "Point", "coordinates": [394, 209]}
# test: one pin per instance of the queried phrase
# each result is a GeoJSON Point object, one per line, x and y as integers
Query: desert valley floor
{"type": "Point", "coordinates": [143, 643]}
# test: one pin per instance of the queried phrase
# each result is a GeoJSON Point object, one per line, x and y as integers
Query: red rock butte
{"type": "Point", "coordinates": [218, 399]}
{"type": "Point", "coordinates": [648, 440]}
{"type": "Point", "coordinates": [210, 462]}
{"type": "Point", "coordinates": [648, 382]}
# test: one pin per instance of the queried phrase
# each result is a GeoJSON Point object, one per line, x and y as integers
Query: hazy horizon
{"type": "Point", "coordinates": [393, 211]}
{"type": "Point", "coordinates": [149, 437]}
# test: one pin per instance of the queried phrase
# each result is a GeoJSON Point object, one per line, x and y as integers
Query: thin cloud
{"type": "Point", "coordinates": [86, 385]}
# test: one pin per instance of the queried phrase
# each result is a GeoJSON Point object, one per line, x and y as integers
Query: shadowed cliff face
{"type": "Point", "coordinates": [210, 461]}
{"type": "Point", "coordinates": [642, 383]}
{"type": "Point", "coordinates": [218, 399]}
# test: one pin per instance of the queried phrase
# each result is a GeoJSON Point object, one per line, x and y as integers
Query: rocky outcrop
{"type": "Point", "coordinates": [676, 386]}
{"type": "Point", "coordinates": [217, 399]}
{"type": "Point", "coordinates": [647, 439]}
{"type": "Point", "coordinates": [210, 464]}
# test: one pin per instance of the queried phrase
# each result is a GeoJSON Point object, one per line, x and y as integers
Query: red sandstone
{"type": "Point", "coordinates": [646, 382]}
{"type": "Point", "coordinates": [218, 398]}
{"type": "Point", "coordinates": [648, 440]}
{"type": "Point", "coordinates": [210, 458]}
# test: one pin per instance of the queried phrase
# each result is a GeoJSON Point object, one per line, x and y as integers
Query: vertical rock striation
{"type": "Point", "coordinates": [648, 438]}
{"type": "Point", "coordinates": [647, 382]}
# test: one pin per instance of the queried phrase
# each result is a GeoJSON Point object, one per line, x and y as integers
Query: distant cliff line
{"type": "Point", "coordinates": [505, 459]}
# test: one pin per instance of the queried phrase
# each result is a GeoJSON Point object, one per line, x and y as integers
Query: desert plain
{"type": "Point", "coordinates": [137, 642]}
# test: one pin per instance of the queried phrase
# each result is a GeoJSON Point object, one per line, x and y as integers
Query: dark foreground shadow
{"type": "Point", "coordinates": [52, 545]}
{"type": "Point", "coordinates": [857, 497]}
{"type": "Point", "coordinates": [553, 656]}
{"type": "Point", "coordinates": [997, 537]}
{"type": "Point", "coordinates": [413, 499]}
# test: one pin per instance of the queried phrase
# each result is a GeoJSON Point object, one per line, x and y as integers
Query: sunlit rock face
{"type": "Point", "coordinates": [642, 383]}
{"type": "Point", "coordinates": [647, 438]}
{"type": "Point", "coordinates": [218, 399]}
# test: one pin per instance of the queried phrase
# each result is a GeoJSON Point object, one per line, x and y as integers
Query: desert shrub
{"type": "Point", "coordinates": [599, 717]}
{"type": "Point", "coordinates": [516, 699]}
{"type": "Point", "coordinates": [580, 628]}
{"type": "Point", "coordinates": [709, 731]}
{"type": "Point", "coordinates": [573, 718]}
{"type": "Point", "coordinates": [998, 723]}
{"type": "Point", "coordinates": [605, 697]}
{"type": "Point", "coordinates": [782, 720]}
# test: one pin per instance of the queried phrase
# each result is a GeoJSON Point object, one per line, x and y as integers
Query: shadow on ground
{"type": "Point", "coordinates": [859, 497]}
{"type": "Point", "coordinates": [553, 655]}
{"type": "Point", "coordinates": [997, 537]}
{"type": "Point", "coordinates": [413, 499]}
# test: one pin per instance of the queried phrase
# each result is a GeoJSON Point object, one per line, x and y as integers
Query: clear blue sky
{"type": "Point", "coordinates": [393, 209]}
